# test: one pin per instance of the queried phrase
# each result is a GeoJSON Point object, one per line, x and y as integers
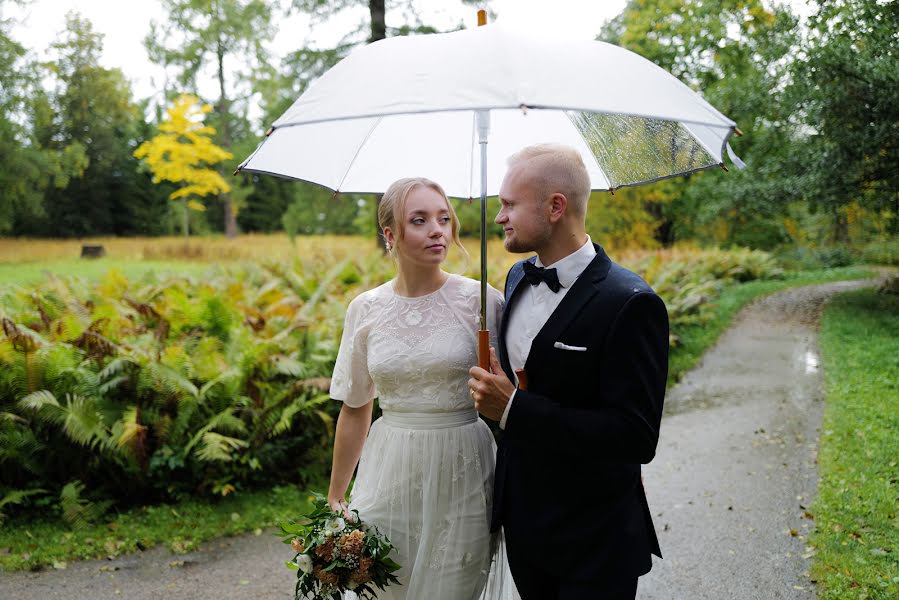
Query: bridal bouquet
{"type": "Point", "coordinates": [335, 553]}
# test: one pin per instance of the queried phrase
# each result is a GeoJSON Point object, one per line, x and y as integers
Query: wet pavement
{"type": "Point", "coordinates": [728, 488]}
{"type": "Point", "coordinates": [736, 463]}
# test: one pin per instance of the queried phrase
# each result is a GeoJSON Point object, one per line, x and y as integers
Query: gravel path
{"type": "Point", "coordinates": [734, 470]}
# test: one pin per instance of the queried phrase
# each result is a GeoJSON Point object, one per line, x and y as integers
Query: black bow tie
{"type": "Point", "coordinates": [535, 275]}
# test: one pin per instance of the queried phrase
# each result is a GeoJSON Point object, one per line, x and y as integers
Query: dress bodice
{"type": "Point", "coordinates": [412, 353]}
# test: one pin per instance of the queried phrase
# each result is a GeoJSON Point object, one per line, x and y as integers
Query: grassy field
{"type": "Point", "coordinates": [31, 272]}
{"type": "Point", "coordinates": [856, 513]}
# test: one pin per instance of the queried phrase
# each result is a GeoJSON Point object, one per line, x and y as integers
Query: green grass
{"type": "Point", "coordinates": [24, 273]}
{"type": "Point", "coordinates": [181, 527]}
{"type": "Point", "coordinates": [694, 340]}
{"type": "Point", "coordinates": [856, 513]}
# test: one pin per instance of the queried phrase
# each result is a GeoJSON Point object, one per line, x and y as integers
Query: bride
{"type": "Point", "coordinates": [426, 466]}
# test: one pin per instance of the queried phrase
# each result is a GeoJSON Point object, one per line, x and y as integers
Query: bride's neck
{"type": "Point", "coordinates": [414, 281]}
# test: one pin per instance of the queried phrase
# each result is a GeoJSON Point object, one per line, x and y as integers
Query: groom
{"type": "Point", "coordinates": [592, 340]}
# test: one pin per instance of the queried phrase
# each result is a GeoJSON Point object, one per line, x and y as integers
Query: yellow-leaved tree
{"type": "Point", "coordinates": [182, 152]}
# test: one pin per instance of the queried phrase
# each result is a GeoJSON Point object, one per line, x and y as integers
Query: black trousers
{"type": "Point", "coordinates": [534, 583]}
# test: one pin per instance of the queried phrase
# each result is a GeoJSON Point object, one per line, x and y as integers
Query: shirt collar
{"type": "Point", "coordinates": [569, 268]}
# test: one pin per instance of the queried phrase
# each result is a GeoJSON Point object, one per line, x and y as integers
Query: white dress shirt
{"type": "Point", "coordinates": [534, 306]}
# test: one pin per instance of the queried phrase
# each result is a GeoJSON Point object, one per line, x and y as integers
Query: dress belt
{"type": "Point", "coordinates": [430, 420]}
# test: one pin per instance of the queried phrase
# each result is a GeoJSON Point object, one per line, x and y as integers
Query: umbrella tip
{"type": "Point", "coordinates": [723, 166]}
{"type": "Point", "coordinates": [482, 17]}
{"type": "Point", "coordinates": [737, 131]}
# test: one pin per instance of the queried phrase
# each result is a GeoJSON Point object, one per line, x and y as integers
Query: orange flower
{"type": "Point", "coordinates": [297, 545]}
{"type": "Point", "coordinates": [325, 551]}
{"type": "Point", "coordinates": [351, 543]}
{"type": "Point", "coordinates": [360, 576]}
{"type": "Point", "coordinates": [325, 576]}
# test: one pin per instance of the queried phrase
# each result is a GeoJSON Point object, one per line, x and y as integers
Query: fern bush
{"type": "Point", "coordinates": [140, 391]}
{"type": "Point", "coordinates": [690, 281]}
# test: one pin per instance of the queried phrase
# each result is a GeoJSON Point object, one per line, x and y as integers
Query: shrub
{"type": "Point", "coordinates": [882, 252]}
{"type": "Point", "coordinates": [150, 390]}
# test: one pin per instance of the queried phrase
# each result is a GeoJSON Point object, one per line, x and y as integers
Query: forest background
{"type": "Point", "coordinates": [817, 102]}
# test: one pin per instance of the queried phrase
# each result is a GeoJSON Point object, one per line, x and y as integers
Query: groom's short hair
{"type": "Point", "coordinates": [556, 168]}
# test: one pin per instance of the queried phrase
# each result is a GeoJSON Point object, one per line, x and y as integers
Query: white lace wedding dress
{"type": "Point", "coordinates": [426, 474]}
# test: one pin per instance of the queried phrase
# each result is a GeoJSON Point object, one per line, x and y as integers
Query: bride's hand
{"type": "Point", "coordinates": [339, 505]}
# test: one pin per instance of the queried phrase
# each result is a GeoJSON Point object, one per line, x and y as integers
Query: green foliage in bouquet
{"type": "Point", "coordinates": [335, 554]}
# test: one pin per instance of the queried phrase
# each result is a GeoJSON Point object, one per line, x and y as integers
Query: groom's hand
{"type": "Point", "coordinates": [490, 390]}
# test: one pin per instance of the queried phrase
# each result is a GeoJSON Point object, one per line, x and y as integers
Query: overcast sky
{"type": "Point", "coordinates": [124, 23]}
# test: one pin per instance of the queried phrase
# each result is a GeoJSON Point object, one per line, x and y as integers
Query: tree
{"type": "Point", "coordinates": [29, 167]}
{"type": "Point", "coordinates": [847, 92]}
{"type": "Point", "coordinates": [215, 32]}
{"type": "Point", "coordinates": [182, 150]}
{"type": "Point", "coordinates": [736, 54]}
{"type": "Point", "coordinates": [91, 107]}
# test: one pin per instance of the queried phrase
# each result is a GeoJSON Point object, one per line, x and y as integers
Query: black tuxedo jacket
{"type": "Point", "coordinates": [568, 462]}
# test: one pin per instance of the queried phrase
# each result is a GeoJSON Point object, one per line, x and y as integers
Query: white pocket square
{"type": "Point", "coordinates": [562, 346]}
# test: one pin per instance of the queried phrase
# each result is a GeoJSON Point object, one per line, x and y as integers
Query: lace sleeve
{"type": "Point", "coordinates": [351, 382]}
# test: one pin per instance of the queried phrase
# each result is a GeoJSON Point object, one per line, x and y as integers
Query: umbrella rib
{"type": "Point", "coordinates": [358, 150]}
{"type": "Point", "coordinates": [717, 123]}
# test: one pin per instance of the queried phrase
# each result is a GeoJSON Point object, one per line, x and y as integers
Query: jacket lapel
{"type": "Point", "coordinates": [583, 289]}
{"type": "Point", "coordinates": [513, 292]}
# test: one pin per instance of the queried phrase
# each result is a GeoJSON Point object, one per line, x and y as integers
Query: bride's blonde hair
{"type": "Point", "coordinates": [393, 206]}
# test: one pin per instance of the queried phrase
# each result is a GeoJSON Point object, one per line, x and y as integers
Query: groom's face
{"type": "Point", "coordinates": [522, 214]}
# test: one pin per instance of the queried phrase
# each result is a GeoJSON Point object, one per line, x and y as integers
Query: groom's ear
{"type": "Point", "coordinates": [558, 204]}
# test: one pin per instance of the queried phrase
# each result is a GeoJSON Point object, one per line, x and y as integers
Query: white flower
{"type": "Point", "coordinates": [334, 525]}
{"type": "Point", "coordinates": [304, 562]}
{"type": "Point", "coordinates": [353, 518]}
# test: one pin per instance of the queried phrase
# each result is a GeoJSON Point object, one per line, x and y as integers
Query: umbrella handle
{"type": "Point", "coordinates": [522, 379]}
{"type": "Point", "coordinates": [484, 349]}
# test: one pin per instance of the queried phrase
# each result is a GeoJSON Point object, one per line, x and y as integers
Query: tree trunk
{"type": "Point", "coordinates": [378, 26]}
{"type": "Point", "coordinates": [840, 233]}
{"type": "Point", "coordinates": [185, 220]}
{"type": "Point", "coordinates": [224, 109]}
{"type": "Point", "coordinates": [378, 32]}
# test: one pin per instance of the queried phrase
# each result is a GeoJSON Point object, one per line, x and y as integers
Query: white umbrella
{"type": "Point", "coordinates": [422, 105]}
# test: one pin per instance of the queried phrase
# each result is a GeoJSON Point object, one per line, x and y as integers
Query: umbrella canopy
{"type": "Point", "coordinates": [408, 106]}
{"type": "Point", "coordinates": [428, 106]}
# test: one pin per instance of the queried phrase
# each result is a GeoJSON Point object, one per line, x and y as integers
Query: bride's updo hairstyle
{"type": "Point", "coordinates": [393, 206]}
